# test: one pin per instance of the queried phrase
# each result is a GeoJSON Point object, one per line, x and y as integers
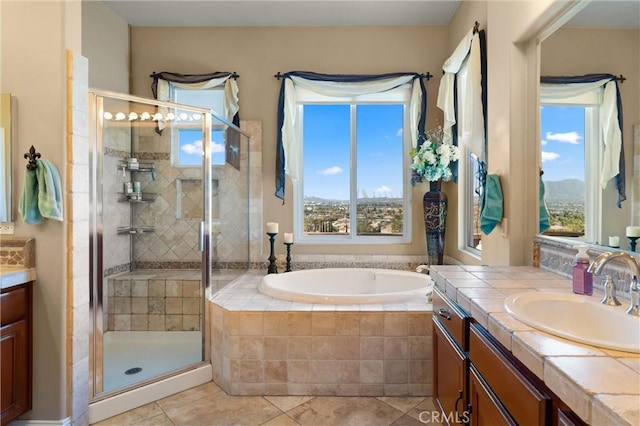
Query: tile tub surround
{"type": "Point", "coordinates": [601, 386]}
{"type": "Point", "coordinates": [266, 346]}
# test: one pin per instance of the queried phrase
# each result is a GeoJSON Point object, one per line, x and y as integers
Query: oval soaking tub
{"type": "Point", "coordinates": [350, 286]}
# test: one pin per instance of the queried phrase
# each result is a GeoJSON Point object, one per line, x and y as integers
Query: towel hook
{"type": "Point", "coordinates": [32, 156]}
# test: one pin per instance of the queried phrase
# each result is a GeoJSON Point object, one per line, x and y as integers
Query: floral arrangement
{"type": "Point", "coordinates": [433, 160]}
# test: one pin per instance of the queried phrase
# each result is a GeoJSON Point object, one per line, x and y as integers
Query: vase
{"type": "Point", "coordinates": [434, 204]}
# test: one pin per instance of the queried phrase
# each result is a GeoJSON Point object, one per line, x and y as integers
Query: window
{"type": "Point", "coordinates": [187, 140]}
{"type": "Point", "coordinates": [569, 148]}
{"type": "Point", "coordinates": [470, 175]}
{"type": "Point", "coordinates": [354, 171]}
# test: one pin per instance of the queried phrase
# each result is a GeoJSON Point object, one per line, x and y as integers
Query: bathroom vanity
{"type": "Point", "coordinates": [17, 278]}
{"type": "Point", "coordinates": [491, 369]}
{"type": "Point", "coordinates": [16, 347]}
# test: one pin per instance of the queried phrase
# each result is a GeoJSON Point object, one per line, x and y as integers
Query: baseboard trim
{"type": "Point", "coordinates": [63, 422]}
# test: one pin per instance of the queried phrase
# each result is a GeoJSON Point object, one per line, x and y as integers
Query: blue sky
{"type": "Point", "coordinates": [562, 133]}
{"type": "Point", "coordinates": [327, 151]}
{"type": "Point", "coordinates": [190, 152]}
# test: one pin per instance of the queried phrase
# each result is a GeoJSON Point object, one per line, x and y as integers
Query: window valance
{"type": "Point", "coordinates": [610, 103]}
{"type": "Point", "coordinates": [288, 154]}
{"type": "Point", "coordinates": [162, 81]}
{"type": "Point", "coordinates": [468, 54]}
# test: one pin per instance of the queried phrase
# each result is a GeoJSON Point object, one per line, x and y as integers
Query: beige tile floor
{"type": "Point", "coordinates": [208, 405]}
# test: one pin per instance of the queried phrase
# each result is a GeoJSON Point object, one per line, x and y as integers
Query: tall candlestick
{"type": "Point", "coordinates": [272, 227]}
{"type": "Point", "coordinates": [288, 267]}
{"type": "Point", "coordinates": [272, 269]}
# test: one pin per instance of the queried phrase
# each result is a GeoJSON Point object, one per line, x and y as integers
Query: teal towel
{"type": "Point", "coordinates": [41, 195]}
{"type": "Point", "coordinates": [28, 204]}
{"type": "Point", "coordinates": [544, 213]}
{"type": "Point", "coordinates": [49, 190]}
{"type": "Point", "coordinates": [491, 209]}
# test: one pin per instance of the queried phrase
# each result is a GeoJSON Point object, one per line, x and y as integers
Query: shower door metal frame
{"type": "Point", "coordinates": [96, 125]}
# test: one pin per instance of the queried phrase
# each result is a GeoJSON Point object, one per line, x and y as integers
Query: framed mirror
{"type": "Point", "coordinates": [604, 37]}
{"type": "Point", "coordinates": [6, 206]}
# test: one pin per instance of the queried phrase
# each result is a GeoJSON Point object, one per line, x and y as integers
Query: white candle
{"type": "Point", "coordinates": [633, 231]}
{"type": "Point", "coordinates": [288, 237]}
{"type": "Point", "coordinates": [614, 241]}
{"type": "Point", "coordinates": [272, 227]}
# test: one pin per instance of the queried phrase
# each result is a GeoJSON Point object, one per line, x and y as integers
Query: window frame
{"type": "Point", "coordinates": [194, 125]}
{"type": "Point", "coordinates": [399, 96]}
{"type": "Point", "coordinates": [593, 154]}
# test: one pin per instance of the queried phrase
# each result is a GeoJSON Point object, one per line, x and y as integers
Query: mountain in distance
{"type": "Point", "coordinates": [567, 190]}
{"type": "Point", "coordinates": [368, 200]}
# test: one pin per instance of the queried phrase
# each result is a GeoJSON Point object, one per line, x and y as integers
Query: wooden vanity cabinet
{"type": "Point", "coordinates": [522, 401]}
{"type": "Point", "coordinates": [451, 363]}
{"type": "Point", "coordinates": [15, 351]}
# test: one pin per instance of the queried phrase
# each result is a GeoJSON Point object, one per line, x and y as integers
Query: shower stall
{"type": "Point", "coordinates": [169, 220]}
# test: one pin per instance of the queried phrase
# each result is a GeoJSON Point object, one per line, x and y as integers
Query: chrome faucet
{"type": "Point", "coordinates": [610, 291]}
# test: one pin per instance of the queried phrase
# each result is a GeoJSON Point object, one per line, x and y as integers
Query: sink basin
{"type": "Point", "coordinates": [579, 318]}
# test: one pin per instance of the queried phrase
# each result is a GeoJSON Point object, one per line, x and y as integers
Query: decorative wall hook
{"type": "Point", "coordinates": [32, 156]}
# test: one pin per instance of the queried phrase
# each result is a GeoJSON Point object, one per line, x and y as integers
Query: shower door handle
{"type": "Point", "coordinates": [201, 236]}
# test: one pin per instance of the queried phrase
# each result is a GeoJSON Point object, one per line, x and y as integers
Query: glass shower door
{"type": "Point", "coordinates": [150, 247]}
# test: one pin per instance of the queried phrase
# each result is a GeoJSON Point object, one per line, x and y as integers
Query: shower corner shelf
{"type": "Point", "coordinates": [135, 229]}
{"type": "Point", "coordinates": [145, 197]}
{"type": "Point", "coordinates": [142, 167]}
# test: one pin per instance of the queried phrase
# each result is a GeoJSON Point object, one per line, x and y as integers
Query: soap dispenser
{"type": "Point", "coordinates": [582, 279]}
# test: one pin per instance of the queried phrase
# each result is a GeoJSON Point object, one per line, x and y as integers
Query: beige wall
{"type": "Point", "coordinates": [35, 37]}
{"type": "Point", "coordinates": [573, 51]}
{"type": "Point", "coordinates": [257, 53]}
{"type": "Point", "coordinates": [105, 43]}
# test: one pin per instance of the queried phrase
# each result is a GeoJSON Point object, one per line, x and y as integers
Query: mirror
{"type": "Point", "coordinates": [604, 37]}
{"type": "Point", "coordinates": [5, 158]}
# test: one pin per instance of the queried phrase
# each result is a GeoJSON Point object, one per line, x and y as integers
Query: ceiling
{"type": "Point", "coordinates": [283, 12]}
{"type": "Point", "coordinates": [598, 13]}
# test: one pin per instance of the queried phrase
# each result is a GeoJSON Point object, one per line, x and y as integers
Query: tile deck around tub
{"type": "Point", "coordinates": [266, 346]}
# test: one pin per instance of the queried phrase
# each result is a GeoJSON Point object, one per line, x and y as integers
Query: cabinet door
{"type": "Point", "coordinates": [486, 409]}
{"type": "Point", "coordinates": [14, 370]}
{"type": "Point", "coordinates": [449, 376]}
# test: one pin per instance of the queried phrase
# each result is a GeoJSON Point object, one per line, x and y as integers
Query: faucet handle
{"type": "Point", "coordinates": [610, 293]}
{"type": "Point", "coordinates": [634, 294]}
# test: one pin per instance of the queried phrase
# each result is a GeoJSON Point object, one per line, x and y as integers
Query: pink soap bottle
{"type": "Point", "coordinates": [582, 279]}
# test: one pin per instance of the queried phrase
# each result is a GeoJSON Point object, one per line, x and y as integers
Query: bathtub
{"type": "Point", "coordinates": [349, 286]}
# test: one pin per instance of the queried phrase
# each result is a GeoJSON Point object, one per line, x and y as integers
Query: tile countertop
{"type": "Point", "coordinates": [15, 275]}
{"type": "Point", "coordinates": [601, 386]}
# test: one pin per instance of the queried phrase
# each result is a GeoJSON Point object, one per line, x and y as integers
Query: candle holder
{"type": "Point", "coordinates": [288, 268]}
{"type": "Point", "coordinates": [272, 269]}
{"type": "Point", "coordinates": [632, 243]}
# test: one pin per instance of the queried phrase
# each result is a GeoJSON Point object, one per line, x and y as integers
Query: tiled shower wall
{"type": "Point", "coordinates": [174, 242]}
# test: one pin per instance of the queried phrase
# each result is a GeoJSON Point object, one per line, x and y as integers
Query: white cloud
{"type": "Point", "coordinates": [196, 147]}
{"type": "Point", "coordinates": [383, 190]}
{"type": "Point", "coordinates": [399, 132]}
{"type": "Point", "coordinates": [568, 137]}
{"type": "Point", "coordinates": [335, 170]}
{"type": "Point", "coordinates": [549, 156]}
{"type": "Point", "coordinates": [543, 142]}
